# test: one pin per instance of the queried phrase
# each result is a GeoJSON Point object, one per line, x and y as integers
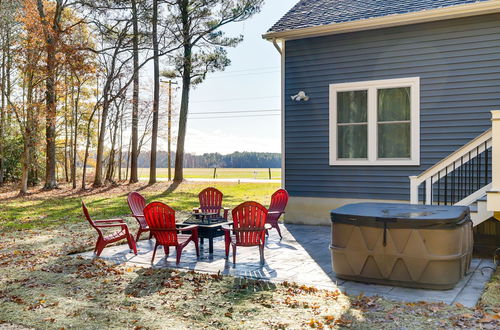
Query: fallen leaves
{"type": "Point", "coordinates": [364, 303]}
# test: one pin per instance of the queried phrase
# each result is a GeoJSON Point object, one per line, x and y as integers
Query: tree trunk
{"type": "Point", "coordinates": [75, 138]}
{"type": "Point", "coordinates": [50, 93]}
{"type": "Point", "coordinates": [128, 158]}
{"type": "Point", "coordinates": [100, 143]}
{"type": "Point", "coordinates": [186, 86]}
{"type": "Point", "coordinates": [112, 154]}
{"type": "Point", "coordinates": [120, 155]}
{"type": "Point", "coordinates": [25, 166]}
{"type": "Point", "coordinates": [66, 174]}
{"type": "Point", "coordinates": [179, 155]}
{"type": "Point", "coordinates": [2, 110]}
{"type": "Point", "coordinates": [87, 147]}
{"type": "Point", "coordinates": [156, 95]}
{"type": "Point", "coordinates": [135, 95]}
{"type": "Point", "coordinates": [28, 131]}
{"type": "Point", "coordinates": [50, 119]}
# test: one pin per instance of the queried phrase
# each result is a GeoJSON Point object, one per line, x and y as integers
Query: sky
{"type": "Point", "coordinates": [249, 90]}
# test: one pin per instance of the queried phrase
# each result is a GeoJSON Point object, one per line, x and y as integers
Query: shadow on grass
{"type": "Point", "coordinates": [172, 188]}
{"type": "Point", "coordinates": [152, 281]}
{"type": "Point", "coordinates": [163, 281]}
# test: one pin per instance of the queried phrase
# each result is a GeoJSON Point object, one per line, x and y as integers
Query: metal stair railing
{"type": "Point", "coordinates": [466, 172]}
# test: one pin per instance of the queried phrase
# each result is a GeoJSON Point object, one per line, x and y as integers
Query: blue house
{"type": "Point", "coordinates": [389, 100]}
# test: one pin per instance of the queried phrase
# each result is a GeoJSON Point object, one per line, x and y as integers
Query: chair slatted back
{"type": "Point", "coordinates": [249, 219]}
{"type": "Point", "coordinates": [161, 221]}
{"type": "Point", "coordinates": [89, 219]}
{"type": "Point", "coordinates": [137, 203]}
{"type": "Point", "coordinates": [210, 200]}
{"type": "Point", "coordinates": [279, 200]}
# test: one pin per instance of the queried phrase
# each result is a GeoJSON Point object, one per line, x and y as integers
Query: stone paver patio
{"type": "Point", "coordinates": [302, 256]}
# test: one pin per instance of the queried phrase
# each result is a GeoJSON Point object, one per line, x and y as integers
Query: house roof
{"type": "Point", "coordinates": [319, 13]}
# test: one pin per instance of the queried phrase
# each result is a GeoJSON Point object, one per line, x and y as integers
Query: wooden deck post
{"type": "Point", "coordinates": [494, 193]}
{"type": "Point", "coordinates": [413, 190]}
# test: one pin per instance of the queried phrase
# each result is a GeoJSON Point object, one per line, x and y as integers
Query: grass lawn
{"type": "Point", "coordinates": [222, 173]}
{"type": "Point", "coordinates": [41, 286]}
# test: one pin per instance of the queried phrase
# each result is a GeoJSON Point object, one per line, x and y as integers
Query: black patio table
{"type": "Point", "coordinates": [209, 226]}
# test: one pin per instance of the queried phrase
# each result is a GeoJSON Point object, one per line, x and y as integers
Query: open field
{"type": "Point", "coordinates": [63, 206]}
{"type": "Point", "coordinates": [42, 286]}
{"type": "Point", "coordinates": [222, 173]}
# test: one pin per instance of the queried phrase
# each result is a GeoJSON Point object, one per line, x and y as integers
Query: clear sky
{"type": "Point", "coordinates": [251, 83]}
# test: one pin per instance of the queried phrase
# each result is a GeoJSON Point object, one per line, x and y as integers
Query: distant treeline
{"type": "Point", "coordinates": [234, 160]}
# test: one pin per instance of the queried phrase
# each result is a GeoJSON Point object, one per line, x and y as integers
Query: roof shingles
{"type": "Point", "coordinates": [310, 13]}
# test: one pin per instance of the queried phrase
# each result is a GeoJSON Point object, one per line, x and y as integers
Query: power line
{"type": "Point", "coordinates": [242, 74]}
{"type": "Point", "coordinates": [242, 111]}
{"type": "Point", "coordinates": [262, 68]}
{"type": "Point", "coordinates": [237, 99]}
{"type": "Point", "coordinates": [221, 117]}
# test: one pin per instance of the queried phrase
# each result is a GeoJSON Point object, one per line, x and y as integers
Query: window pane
{"type": "Point", "coordinates": [394, 104]}
{"type": "Point", "coordinates": [394, 140]}
{"type": "Point", "coordinates": [352, 107]}
{"type": "Point", "coordinates": [352, 141]}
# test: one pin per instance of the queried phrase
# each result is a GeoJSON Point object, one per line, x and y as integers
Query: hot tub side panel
{"type": "Point", "coordinates": [422, 258]}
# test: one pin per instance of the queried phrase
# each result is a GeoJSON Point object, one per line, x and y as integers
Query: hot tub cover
{"type": "Point", "coordinates": [401, 215]}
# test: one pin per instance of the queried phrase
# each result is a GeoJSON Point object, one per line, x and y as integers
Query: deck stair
{"type": "Point", "coordinates": [463, 178]}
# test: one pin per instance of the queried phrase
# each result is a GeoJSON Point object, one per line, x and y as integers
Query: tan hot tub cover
{"type": "Point", "coordinates": [398, 244]}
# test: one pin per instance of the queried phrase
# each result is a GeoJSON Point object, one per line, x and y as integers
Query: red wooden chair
{"type": "Point", "coordinates": [102, 240]}
{"type": "Point", "coordinates": [137, 203]}
{"type": "Point", "coordinates": [249, 228]}
{"type": "Point", "coordinates": [161, 221]}
{"type": "Point", "coordinates": [278, 204]}
{"type": "Point", "coordinates": [211, 202]}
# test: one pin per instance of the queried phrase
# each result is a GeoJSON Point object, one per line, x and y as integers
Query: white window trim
{"type": "Point", "coordinates": [372, 87]}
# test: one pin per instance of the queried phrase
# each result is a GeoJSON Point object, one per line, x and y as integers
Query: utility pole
{"type": "Point", "coordinates": [169, 128]}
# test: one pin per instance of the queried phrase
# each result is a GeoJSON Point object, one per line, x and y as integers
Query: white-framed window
{"type": "Point", "coordinates": [375, 122]}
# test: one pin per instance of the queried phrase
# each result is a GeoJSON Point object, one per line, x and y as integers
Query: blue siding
{"type": "Point", "coordinates": [458, 62]}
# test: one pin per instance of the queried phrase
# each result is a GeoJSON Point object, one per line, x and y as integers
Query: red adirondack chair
{"type": "Point", "coordinates": [137, 203]}
{"type": "Point", "coordinates": [161, 222]}
{"type": "Point", "coordinates": [278, 203]}
{"type": "Point", "coordinates": [249, 228]}
{"type": "Point", "coordinates": [211, 202]}
{"type": "Point", "coordinates": [103, 240]}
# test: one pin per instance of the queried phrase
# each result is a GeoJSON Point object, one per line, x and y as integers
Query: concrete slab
{"type": "Point", "coordinates": [302, 256]}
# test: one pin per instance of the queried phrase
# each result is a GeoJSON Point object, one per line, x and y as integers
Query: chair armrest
{"type": "Point", "coordinates": [196, 210]}
{"type": "Point", "coordinates": [123, 225]}
{"type": "Point", "coordinates": [267, 226]}
{"type": "Point", "coordinates": [188, 228]}
{"type": "Point", "coordinates": [227, 228]}
{"type": "Point", "coordinates": [109, 220]}
{"type": "Point", "coordinates": [274, 212]}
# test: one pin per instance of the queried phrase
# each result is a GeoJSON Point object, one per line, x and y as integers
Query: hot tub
{"type": "Point", "coordinates": [398, 244]}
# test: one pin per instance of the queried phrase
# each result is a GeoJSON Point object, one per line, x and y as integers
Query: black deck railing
{"type": "Point", "coordinates": [470, 173]}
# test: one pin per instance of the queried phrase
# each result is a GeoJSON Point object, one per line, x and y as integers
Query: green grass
{"type": "Point", "coordinates": [63, 206]}
{"type": "Point", "coordinates": [222, 173]}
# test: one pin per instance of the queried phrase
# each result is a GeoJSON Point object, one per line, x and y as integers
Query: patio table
{"type": "Point", "coordinates": [209, 226]}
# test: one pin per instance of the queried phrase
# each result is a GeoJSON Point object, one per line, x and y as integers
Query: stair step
{"type": "Point", "coordinates": [483, 199]}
